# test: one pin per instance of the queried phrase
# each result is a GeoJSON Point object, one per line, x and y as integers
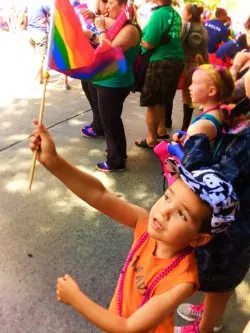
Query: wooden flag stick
{"type": "Point", "coordinates": [40, 120]}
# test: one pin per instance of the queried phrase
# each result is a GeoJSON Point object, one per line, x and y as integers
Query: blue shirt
{"type": "Point", "coordinates": [229, 49]}
{"type": "Point", "coordinates": [217, 33]}
{"type": "Point", "coordinates": [38, 14]}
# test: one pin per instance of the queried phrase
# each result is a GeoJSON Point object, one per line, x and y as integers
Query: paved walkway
{"type": "Point", "coordinates": [49, 231]}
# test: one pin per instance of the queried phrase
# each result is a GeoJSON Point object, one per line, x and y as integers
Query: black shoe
{"type": "Point", "coordinates": [105, 167]}
{"type": "Point", "coordinates": [168, 123]}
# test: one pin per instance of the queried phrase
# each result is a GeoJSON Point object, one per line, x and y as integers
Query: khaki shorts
{"type": "Point", "coordinates": [39, 41]}
{"type": "Point", "coordinates": [161, 82]}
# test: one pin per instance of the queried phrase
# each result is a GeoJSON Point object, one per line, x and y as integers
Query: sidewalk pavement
{"type": "Point", "coordinates": [50, 232]}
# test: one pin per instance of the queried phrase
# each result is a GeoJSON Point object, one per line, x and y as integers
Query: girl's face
{"type": "Point", "coordinates": [176, 218]}
{"type": "Point", "coordinates": [202, 87]}
{"type": "Point", "coordinates": [114, 8]}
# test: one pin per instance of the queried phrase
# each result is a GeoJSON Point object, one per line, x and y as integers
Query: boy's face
{"type": "Point", "coordinates": [176, 218]}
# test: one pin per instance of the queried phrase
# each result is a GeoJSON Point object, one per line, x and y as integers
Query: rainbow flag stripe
{"type": "Point", "coordinates": [72, 54]}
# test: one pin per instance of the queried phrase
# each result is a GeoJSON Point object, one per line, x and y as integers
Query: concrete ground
{"type": "Point", "coordinates": [49, 231]}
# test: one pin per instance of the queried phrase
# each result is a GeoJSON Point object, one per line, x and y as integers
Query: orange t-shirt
{"type": "Point", "coordinates": [142, 270]}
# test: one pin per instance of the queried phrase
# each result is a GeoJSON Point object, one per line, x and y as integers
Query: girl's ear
{"type": "Point", "coordinates": [212, 91]}
{"type": "Point", "coordinates": [202, 239]}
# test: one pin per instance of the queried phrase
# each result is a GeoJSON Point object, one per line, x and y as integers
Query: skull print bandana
{"type": "Point", "coordinates": [212, 188]}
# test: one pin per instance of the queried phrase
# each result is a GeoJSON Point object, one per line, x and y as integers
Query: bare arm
{"type": "Point", "coordinates": [247, 83]}
{"type": "Point", "coordinates": [145, 318]}
{"type": "Point", "coordinates": [239, 63]}
{"type": "Point", "coordinates": [203, 126]}
{"type": "Point", "coordinates": [146, 45]}
{"type": "Point", "coordinates": [85, 186]}
{"type": "Point", "coordinates": [126, 38]}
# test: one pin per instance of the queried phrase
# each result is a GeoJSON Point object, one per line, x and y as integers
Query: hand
{"type": "Point", "coordinates": [175, 137]}
{"type": "Point", "coordinates": [100, 23]}
{"type": "Point", "coordinates": [67, 290]}
{"type": "Point", "coordinates": [87, 14]}
{"type": "Point", "coordinates": [88, 33]}
{"type": "Point", "coordinates": [179, 137]}
{"type": "Point", "coordinates": [41, 141]}
{"type": "Point", "coordinates": [241, 58]}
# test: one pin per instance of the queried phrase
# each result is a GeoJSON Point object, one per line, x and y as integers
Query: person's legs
{"type": "Point", "coordinates": [168, 114]}
{"type": "Point", "coordinates": [186, 100]}
{"type": "Point", "coordinates": [39, 39]}
{"type": "Point", "coordinates": [93, 98]}
{"type": "Point", "coordinates": [66, 85]}
{"type": "Point", "coordinates": [86, 89]}
{"type": "Point", "coordinates": [187, 116]}
{"type": "Point", "coordinates": [155, 123]}
{"type": "Point", "coordinates": [110, 101]}
{"type": "Point", "coordinates": [214, 308]}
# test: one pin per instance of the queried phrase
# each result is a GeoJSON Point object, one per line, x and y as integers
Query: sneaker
{"type": "Point", "coordinates": [88, 132]}
{"type": "Point", "coordinates": [193, 328]}
{"type": "Point", "coordinates": [104, 166]}
{"type": "Point", "coordinates": [190, 312]}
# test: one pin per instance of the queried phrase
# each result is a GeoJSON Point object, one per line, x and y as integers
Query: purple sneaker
{"type": "Point", "coordinates": [104, 166]}
{"type": "Point", "coordinates": [88, 132]}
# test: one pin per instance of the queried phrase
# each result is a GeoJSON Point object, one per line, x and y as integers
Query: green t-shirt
{"type": "Point", "coordinates": [123, 80]}
{"type": "Point", "coordinates": [157, 27]}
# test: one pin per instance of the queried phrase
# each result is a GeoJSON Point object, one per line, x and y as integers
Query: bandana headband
{"type": "Point", "coordinates": [212, 188]}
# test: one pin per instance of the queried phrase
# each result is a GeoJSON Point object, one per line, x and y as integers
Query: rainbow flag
{"type": "Point", "coordinates": [71, 53]}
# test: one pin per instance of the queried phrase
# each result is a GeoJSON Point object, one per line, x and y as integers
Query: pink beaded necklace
{"type": "Point", "coordinates": [212, 108]}
{"type": "Point", "coordinates": [155, 281]}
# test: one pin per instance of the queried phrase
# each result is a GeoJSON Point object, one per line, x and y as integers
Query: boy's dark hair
{"type": "Point", "coordinates": [206, 221]}
{"type": "Point", "coordinates": [220, 11]}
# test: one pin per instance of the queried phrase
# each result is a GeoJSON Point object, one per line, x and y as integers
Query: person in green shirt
{"type": "Point", "coordinates": [162, 35]}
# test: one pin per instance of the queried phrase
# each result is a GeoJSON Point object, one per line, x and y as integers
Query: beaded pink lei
{"type": "Point", "coordinates": [155, 281]}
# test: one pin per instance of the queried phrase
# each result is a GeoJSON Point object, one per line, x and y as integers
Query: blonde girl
{"type": "Point", "coordinates": [211, 86]}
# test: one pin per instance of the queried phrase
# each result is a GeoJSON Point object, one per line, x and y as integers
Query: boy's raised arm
{"type": "Point", "coordinates": [85, 186]}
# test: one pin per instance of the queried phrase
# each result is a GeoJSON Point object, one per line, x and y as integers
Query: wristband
{"type": "Point", "coordinates": [102, 32]}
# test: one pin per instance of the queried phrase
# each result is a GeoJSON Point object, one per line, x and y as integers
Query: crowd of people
{"type": "Point", "coordinates": [197, 235]}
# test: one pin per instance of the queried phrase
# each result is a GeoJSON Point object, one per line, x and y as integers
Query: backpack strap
{"type": "Point", "coordinates": [187, 30]}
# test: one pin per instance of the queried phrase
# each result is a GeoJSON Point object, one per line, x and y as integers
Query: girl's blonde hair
{"type": "Point", "coordinates": [222, 80]}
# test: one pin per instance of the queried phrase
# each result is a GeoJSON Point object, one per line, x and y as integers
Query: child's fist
{"type": "Point", "coordinates": [67, 290]}
{"type": "Point", "coordinates": [41, 141]}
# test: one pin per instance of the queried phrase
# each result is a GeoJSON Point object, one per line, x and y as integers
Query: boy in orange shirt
{"type": "Point", "coordinates": [160, 271]}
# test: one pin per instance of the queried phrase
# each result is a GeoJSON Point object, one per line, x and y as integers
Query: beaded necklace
{"type": "Point", "coordinates": [212, 108]}
{"type": "Point", "coordinates": [155, 281]}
